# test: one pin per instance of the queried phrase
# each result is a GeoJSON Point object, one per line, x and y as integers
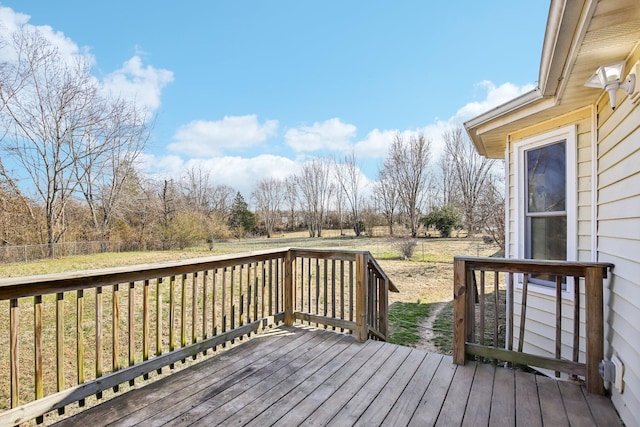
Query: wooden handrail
{"type": "Point", "coordinates": [174, 310]}
{"type": "Point", "coordinates": [465, 300]}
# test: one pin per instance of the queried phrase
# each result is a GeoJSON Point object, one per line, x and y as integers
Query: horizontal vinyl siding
{"type": "Point", "coordinates": [539, 336]}
{"type": "Point", "coordinates": [619, 243]}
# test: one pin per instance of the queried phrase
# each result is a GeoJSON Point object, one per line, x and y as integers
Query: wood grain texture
{"type": "Point", "coordinates": [303, 375]}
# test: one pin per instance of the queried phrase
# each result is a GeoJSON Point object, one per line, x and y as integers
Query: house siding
{"type": "Point", "coordinates": [618, 235]}
{"type": "Point", "coordinates": [539, 335]}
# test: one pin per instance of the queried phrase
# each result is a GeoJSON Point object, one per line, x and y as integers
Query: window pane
{"type": "Point", "coordinates": [548, 238]}
{"type": "Point", "coordinates": [546, 178]}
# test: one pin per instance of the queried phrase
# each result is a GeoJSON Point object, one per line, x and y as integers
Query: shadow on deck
{"type": "Point", "coordinates": [301, 375]}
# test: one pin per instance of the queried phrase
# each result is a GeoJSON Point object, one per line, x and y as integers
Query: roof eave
{"type": "Point", "coordinates": [516, 104]}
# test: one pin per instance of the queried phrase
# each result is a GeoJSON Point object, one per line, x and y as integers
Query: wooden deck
{"type": "Point", "coordinates": [300, 375]}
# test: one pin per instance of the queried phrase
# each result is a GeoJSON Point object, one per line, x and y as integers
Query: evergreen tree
{"type": "Point", "coordinates": [241, 219]}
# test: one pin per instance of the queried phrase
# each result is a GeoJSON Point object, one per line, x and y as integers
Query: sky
{"type": "Point", "coordinates": [252, 89]}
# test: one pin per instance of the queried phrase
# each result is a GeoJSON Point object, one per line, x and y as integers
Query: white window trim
{"type": "Point", "coordinates": [567, 134]}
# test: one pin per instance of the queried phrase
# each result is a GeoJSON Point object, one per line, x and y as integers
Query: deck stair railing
{"type": "Point", "coordinates": [74, 335]}
{"type": "Point", "coordinates": [484, 313]}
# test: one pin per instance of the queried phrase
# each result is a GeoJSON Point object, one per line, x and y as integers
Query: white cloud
{"type": "Point", "coordinates": [138, 83]}
{"type": "Point", "coordinates": [133, 81]}
{"type": "Point", "coordinates": [331, 134]}
{"type": "Point", "coordinates": [495, 96]}
{"type": "Point", "coordinates": [202, 138]}
{"type": "Point", "coordinates": [377, 142]}
{"type": "Point", "coordinates": [11, 21]}
{"type": "Point", "coordinates": [239, 173]}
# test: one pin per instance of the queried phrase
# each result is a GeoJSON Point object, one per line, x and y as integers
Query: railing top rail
{"type": "Point", "coordinates": [512, 265]}
{"type": "Point", "coordinates": [18, 287]}
{"type": "Point", "coordinates": [376, 266]}
{"type": "Point", "coordinates": [26, 286]}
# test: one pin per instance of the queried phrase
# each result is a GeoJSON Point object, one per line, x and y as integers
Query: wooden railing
{"type": "Point", "coordinates": [74, 335]}
{"type": "Point", "coordinates": [480, 330]}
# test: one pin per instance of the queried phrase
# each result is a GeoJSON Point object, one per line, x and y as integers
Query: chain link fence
{"type": "Point", "coordinates": [28, 253]}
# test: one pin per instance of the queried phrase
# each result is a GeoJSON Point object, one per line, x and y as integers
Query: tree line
{"type": "Point", "coordinates": [77, 147]}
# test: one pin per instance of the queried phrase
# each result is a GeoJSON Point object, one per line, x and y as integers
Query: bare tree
{"type": "Point", "coordinates": [406, 166]}
{"type": "Point", "coordinates": [268, 197]}
{"type": "Point", "coordinates": [491, 209]}
{"type": "Point", "coordinates": [51, 118]}
{"type": "Point", "coordinates": [291, 199]}
{"type": "Point", "coordinates": [221, 198]}
{"type": "Point", "coordinates": [386, 195]}
{"type": "Point", "coordinates": [349, 179]}
{"type": "Point", "coordinates": [314, 192]}
{"type": "Point", "coordinates": [196, 188]}
{"type": "Point", "coordinates": [470, 173]}
{"type": "Point", "coordinates": [102, 174]}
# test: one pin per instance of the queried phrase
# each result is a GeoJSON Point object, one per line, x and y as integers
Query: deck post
{"type": "Point", "coordinates": [289, 264]}
{"type": "Point", "coordinates": [595, 333]}
{"type": "Point", "coordinates": [362, 329]}
{"type": "Point", "coordinates": [459, 311]}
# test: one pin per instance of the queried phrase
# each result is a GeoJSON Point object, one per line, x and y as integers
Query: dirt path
{"type": "Point", "coordinates": [426, 328]}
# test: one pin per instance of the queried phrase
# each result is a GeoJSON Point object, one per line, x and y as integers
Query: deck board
{"type": "Point", "coordinates": [302, 375]}
{"type": "Point", "coordinates": [527, 402]}
{"type": "Point", "coordinates": [478, 406]}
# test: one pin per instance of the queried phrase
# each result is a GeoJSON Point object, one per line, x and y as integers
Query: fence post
{"type": "Point", "coordinates": [595, 334]}
{"type": "Point", "coordinates": [289, 264]}
{"type": "Point", "coordinates": [362, 329]}
{"type": "Point", "coordinates": [459, 311]}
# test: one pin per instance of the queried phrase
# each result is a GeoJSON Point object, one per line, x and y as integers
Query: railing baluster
{"type": "Point", "coordinates": [205, 306]}
{"type": "Point", "coordinates": [194, 309]}
{"type": "Point", "coordinates": [325, 281]}
{"type": "Point", "coordinates": [172, 315]}
{"type": "Point", "coordinates": [482, 307]}
{"type": "Point", "coordinates": [13, 352]}
{"type": "Point", "coordinates": [333, 290]}
{"type": "Point", "coordinates": [342, 301]}
{"type": "Point", "coordinates": [99, 336]}
{"type": "Point", "coordinates": [183, 312]}
{"type": "Point", "coordinates": [576, 318]}
{"type": "Point", "coordinates": [264, 290]}
{"type": "Point", "coordinates": [214, 320]}
{"type": "Point", "coordinates": [145, 323]}
{"type": "Point", "coordinates": [132, 342]}
{"type": "Point", "coordinates": [471, 290]}
{"type": "Point", "coordinates": [256, 286]}
{"type": "Point", "coordinates": [159, 330]}
{"type": "Point", "coordinates": [37, 336]}
{"type": "Point", "coordinates": [224, 300]}
{"type": "Point", "coordinates": [351, 291]}
{"type": "Point", "coordinates": [558, 320]}
{"type": "Point", "coordinates": [214, 280]}
{"type": "Point", "coordinates": [60, 343]}
{"type": "Point", "coordinates": [233, 302]}
{"type": "Point", "coordinates": [80, 338]}
{"type": "Point", "coordinates": [115, 332]}
{"type": "Point", "coordinates": [523, 310]}
{"type": "Point", "coordinates": [510, 309]}
{"type": "Point", "coordinates": [317, 264]}
{"type": "Point", "coordinates": [496, 307]}
{"type": "Point", "coordinates": [271, 287]}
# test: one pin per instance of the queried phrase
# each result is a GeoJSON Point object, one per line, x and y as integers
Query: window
{"type": "Point", "coordinates": [545, 194]}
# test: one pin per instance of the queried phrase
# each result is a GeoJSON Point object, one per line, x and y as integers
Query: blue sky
{"type": "Point", "coordinates": [248, 89]}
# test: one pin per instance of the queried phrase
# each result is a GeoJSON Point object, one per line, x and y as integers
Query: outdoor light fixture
{"type": "Point", "coordinates": [608, 77]}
